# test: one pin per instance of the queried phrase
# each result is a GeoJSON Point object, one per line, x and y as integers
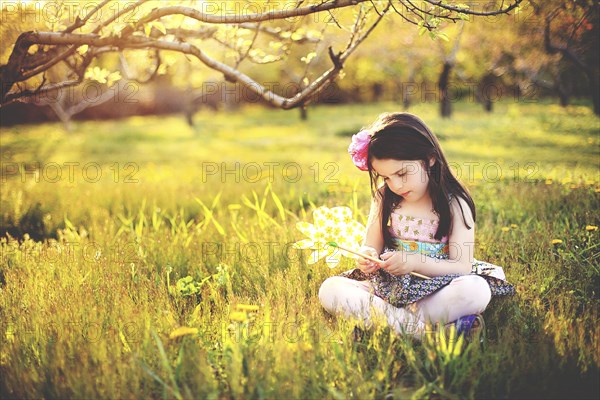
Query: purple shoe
{"type": "Point", "coordinates": [471, 326]}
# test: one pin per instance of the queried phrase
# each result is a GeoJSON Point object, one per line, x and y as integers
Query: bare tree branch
{"type": "Point", "coordinates": [257, 17]}
{"type": "Point", "coordinates": [401, 14]}
{"type": "Point", "coordinates": [501, 10]}
{"type": "Point", "coordinates": [117, 15]}
{"type": "Point", "coordinates": [22, 66]}
{"type": "Point", "coordinates": [81, 22]}
{"type": "Point", "coordinates": [50, 63]}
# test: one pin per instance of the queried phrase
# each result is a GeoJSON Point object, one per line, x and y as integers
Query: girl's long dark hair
{"type": "Point", "coordinates": [404, 136]}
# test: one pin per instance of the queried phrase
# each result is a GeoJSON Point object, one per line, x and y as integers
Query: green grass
{"type": "Point", "coordinates": [87, 309]}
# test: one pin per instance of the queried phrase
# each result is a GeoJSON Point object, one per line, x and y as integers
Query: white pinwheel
{"type": "Point", "coordinates": [330, 225]}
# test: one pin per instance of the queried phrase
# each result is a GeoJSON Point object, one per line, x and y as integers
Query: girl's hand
{"type": "Point", "coordinates": [367, 266]}
{"type": "Point", "coordinates": [398, 262]}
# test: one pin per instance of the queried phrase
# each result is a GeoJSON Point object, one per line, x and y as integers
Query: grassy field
{"type": "Point", "coordinates": [147, 259]}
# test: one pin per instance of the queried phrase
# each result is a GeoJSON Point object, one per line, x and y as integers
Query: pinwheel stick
{"type": "Point", "coordinates": [378, 261]}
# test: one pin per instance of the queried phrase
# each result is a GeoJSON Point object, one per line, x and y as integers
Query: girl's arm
{"type": "Point", "coordinates": [461, 245]}
{"type": "Point", "coordinates": [374, 236]}
{"type": "Point", "coordinates": [373, 243]}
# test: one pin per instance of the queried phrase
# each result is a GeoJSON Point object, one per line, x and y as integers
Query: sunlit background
{"type": "Point", "coordinates": [148, 213]}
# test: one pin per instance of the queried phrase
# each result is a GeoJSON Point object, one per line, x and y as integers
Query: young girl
{"type": "Point", "coordinates": [422, 222]}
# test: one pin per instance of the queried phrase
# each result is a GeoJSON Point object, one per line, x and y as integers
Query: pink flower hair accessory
{"type": "Point", "coordinates": [359, 149]}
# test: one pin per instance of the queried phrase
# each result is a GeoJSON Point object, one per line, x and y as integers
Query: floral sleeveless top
{"type": "Point", "coordinates": [416, 234]}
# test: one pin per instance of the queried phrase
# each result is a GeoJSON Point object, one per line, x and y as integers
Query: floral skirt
{"type": "Point", "coordinates": [403, 290]}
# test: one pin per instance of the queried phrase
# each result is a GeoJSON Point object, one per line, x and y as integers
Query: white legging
{"type": "Point", "coordinates": [465, 295]}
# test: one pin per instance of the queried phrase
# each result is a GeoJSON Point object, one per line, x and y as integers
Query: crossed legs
{"type": "Point", "coordinates": [467, 294]}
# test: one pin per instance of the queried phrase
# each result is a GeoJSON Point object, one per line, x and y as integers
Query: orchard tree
{"type": "Point", "coordinates": [223, 36]}
{"type": "Point", "coordinates": [571, 30]}
{"type": "Point", "coordinates": [66, 105]}
{"type": "Point", "coordinates": [496, 59]}
{"type": "Point", "coordinates": [448, 62]}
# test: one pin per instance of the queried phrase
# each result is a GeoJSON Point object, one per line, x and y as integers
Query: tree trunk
{"type": "Point", "coordinates": [189, 116]}
{"type": "Point", "coordinates": [561, 90]}
{"type": "Point", "coordinates": [484, 91]}
{"type": "Point", "coordinates": [405, 100]}
{"type": "Point", "coordinates": [596, 99]}
{"type": "Point", "coordinates": [406, 89]}
{"type": "Point", "coordinates": [589, 71]}
{"type": "Point", "coordinates": [595, 88]}
{"type": "Point", "coordinates": [377, 91]}
{"type": "Point", "coordinates": [303, 113]}
{"type": "Point", "coordinates": [596, 96]}
{"type": "Point", "coordinates": [446, 106]}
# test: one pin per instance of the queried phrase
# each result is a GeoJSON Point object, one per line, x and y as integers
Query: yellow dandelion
{"type": "Point", "coordinates": [247, 307]}
{"type": "Point", "coordinates": [306, 346]}
{"type": "Point", "coordinates": [293, 346]}
{"type": "Point", "coordinates": [514, 226]}
{"type": "Point", "coordinates": [574, 186]}
{"type": "Point", "coordinates": [549, 181]}
{"type": "Point", "coordinates": [505, 229]}
{"type": "Point", "coordinates": [556, 241]}
{"type": "Point", "coordinates": [591, 228]}
{"type": "Point", "coordinates": [238, 316]}
{"type": "Point", "coordinates": [183, 331]}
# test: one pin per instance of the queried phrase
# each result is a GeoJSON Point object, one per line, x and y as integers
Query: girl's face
{"type": "Point", "coordinates": [405, 178]}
